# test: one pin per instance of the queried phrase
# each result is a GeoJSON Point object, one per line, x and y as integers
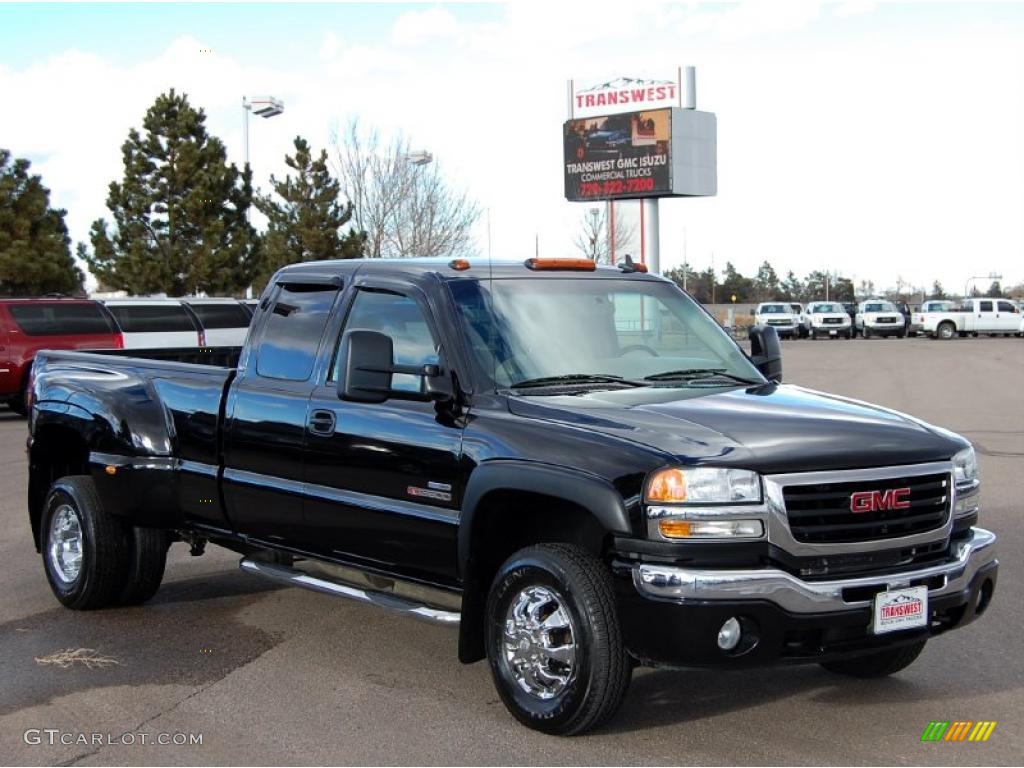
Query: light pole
{"type": "Point", "coordinates": [264, 106]}
{"type": "Point", "coordinates": [989, 276]}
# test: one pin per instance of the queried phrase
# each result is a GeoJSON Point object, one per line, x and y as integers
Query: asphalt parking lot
{"type": "Point", "coordinates": [275, 675]}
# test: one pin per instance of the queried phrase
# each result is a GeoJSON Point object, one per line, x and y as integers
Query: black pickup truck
{"type": "Point", "coordinates": [574, 465]}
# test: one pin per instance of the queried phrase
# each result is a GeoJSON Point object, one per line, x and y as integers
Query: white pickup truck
{"type": "Point", "coordinates": [782, 316]}
{"type": "Point", "coordinates": [974, 316]}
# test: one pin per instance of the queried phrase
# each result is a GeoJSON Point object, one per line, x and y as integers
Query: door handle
{"type": "Point", "coordinates": [322, 423]}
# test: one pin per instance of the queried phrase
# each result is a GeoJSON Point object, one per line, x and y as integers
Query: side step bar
{"type": "Point", "coordinates": [296, 578]}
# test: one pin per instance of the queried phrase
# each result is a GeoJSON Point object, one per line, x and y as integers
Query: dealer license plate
{"type": "Point", "coordinates": [900, 609]}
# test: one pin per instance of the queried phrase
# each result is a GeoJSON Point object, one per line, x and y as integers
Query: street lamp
{"type": "Point", "coordinates": [265, 107]}
{"type": "Point", "coordinates": [989, 276]}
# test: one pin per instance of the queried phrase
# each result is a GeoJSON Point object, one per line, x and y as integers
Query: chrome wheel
{"type": "Point", "coordinates": [65, 544]}
{"type": "Point", "coordinates": [539, 649]}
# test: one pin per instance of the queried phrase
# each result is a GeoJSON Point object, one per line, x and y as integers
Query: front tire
{"type": "Point", "coordinates": [84, 547]}
{"type": "Point", "coordinates": [878, 664]}
{"type": "Point", "coordinates": [553, 640]}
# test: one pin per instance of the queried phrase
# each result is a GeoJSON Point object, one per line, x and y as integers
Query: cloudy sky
{"type": "Point", "coordinates": [884, 141]}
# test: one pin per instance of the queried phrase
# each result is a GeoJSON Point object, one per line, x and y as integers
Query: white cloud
{"type": "Point", "coordinates": [415, 27]}
{"type": "Point", "coordinates": [330, 46]}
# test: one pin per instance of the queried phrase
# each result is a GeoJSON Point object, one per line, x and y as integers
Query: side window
{"type": "Point", "coordinates": [984, 306]}
{"type": "Point", "coordinates": [1005, 306]}
{"type": "Point", "coordinates": [291, 336]}
{"type": "Point", "coordinates": [401, 318]}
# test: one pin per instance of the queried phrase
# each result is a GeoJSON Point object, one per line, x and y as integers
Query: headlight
{"type": "Point", "coordinates": [703, 485]}
{"type": "Point", "coordinates": [965, 468]}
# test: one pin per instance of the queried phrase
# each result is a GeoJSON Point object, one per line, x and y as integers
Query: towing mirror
{"type": "Point", "coordinates": [367, 365]}
{"type": "Point", "coordinates": [766, 352]}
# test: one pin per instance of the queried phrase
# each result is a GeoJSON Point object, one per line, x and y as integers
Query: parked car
{"type": "Point", "coordinates": [929, 306]}
{"type": "Point", "coordinates": [974, 316]}
{"type": "Point", "coordinates": [803, 322]}
{"type": "Point", "coordinates": [828, 318]}
{"type": "Point", "coordinates": [850, 308]}
{"type": "Point", "coordinates": [222, 322]}
{"type": "Point", "coordinates": [497, 449]}
{"type": "Point", "coordinates": [29, 325]}
{"type": "Point", "coordinates": [877, 317]}
{"type": "Point", "coordinates": [779, 315]}
{"type": "Point", "coordinates": [146, 323]}
{"type": "Point", "coordinates": [911, 328]}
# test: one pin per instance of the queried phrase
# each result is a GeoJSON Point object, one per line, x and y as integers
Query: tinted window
{"type": "Point", "coordinates": [292, 333]}
{"type": "Point", "coordinates": [60, 319]}
{"type": "Point", "coordinates": [221, 315]}
{"type": "Point", "coordinates": [984, 306]}
{"type": "Point", "coordinates": [1005, 306]}
{"type": "Point", "coordinates": [151, 318]}
{"type": "Point", "coordinates": [400, 318]}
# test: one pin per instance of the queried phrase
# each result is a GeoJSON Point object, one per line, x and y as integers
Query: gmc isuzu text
{"type": "Point", "coordinates": [575, 466]}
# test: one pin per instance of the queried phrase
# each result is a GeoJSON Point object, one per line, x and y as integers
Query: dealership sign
{"type": "Point", "coordinates": [669, 152]}
{"type": "Point", "coordinates": [624, 94]}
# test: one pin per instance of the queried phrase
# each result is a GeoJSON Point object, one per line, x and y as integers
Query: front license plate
{"type": "Point", "coordinates": [832, 333]}
{"type": "Point", "coordinates": [900, 609]}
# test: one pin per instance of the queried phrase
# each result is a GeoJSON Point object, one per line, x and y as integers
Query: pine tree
{"type": "Point", "coordinates": [304, 224]}
{"type": "Point", "coordinates": [180, 213]}
{"type": "Point", "coordinates": [35, 250]}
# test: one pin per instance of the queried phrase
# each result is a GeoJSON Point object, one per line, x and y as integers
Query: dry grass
{"type": "Point", "coordinates": [69, 657]}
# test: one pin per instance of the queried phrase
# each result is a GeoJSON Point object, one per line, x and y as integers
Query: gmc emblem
{"type": "Point", "coordinates": [876, 501]}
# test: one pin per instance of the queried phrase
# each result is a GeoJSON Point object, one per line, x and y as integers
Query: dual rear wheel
{"type": "Point", "coordinates": [92, 558]}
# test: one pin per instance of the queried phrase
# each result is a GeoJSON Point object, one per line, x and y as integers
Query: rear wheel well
{"type": "Point", "coordinates": [506, 521]}
{"type": "Point", "coordinates": [56, 452]}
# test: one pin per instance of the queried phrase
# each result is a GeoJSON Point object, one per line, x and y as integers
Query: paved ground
{"type": "Point", "coordinates": [270, 675]}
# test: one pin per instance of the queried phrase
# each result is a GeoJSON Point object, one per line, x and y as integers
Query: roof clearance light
{"type": "Point", "coordinates": [459, 264]}
{"type": "Point", "coordinates": [577, 265]}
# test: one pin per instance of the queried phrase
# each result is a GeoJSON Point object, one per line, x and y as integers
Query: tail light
{"type": "Point", "coordinates": [118, 341]}
{"type": "Point", "coordinates": [202, 338]}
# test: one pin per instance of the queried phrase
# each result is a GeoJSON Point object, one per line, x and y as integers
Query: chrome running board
{"type": "Point", "coordinates": [296, 578]}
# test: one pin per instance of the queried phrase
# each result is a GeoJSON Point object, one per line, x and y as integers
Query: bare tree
{"type": "Point", "coordinates": [594, 239]}
{"type": "Point", "coordinates": [405, 206]}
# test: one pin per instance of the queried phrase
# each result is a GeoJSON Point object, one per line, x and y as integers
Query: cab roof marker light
{"type": "Point", "coordinates": [459, 265]}
{"type": "Point", "coordinates": [577, 265]}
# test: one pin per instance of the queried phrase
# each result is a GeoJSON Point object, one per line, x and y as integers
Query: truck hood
{"type": "Point", "coordinates": [771, 428]}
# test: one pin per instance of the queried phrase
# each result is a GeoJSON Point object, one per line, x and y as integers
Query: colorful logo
{"type": "Point", "coordinates": [958, 730]}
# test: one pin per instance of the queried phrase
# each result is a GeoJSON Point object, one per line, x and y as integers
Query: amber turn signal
{"type": "Point", "coordinates": [667, 485]}
{"type": "Point", "coordinates": [111, 469]}
{"type": "Point", "coordinates": [459, 264]}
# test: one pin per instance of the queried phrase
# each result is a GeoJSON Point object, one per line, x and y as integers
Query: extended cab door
{"type": "Point", "coordinates": [1008, 316]}
{"type": "Point", "coordinates": [265, 423]}
{"type": "Point", "coordinates": [381, 478]}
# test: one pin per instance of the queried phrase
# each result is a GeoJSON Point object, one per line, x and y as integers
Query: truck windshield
{"type": "Point", "coordinates": [524, 330]}
{"type": "Point", "coordinates": [880, 306]}
{"type": "Point", "coordinates": [775, 309]}
{"type": "Point", "coordinates": [818, 309]}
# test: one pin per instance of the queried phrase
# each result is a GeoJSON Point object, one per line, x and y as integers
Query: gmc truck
{"type": "Point", "coordinates": [574, 466]}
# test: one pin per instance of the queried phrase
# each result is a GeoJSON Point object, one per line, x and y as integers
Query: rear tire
{"type": "Point", "coordinates": [879, 664]}
{"type": "Point", "coordinates": [84, 547]}
{"type": "Point", "coordinates": [147, 559]}
{"type": "Point", "coordinates": [945, 330]}
{"type": "Point", "coordinates": [558, 598]}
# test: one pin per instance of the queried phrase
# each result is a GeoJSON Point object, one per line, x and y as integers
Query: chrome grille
{"type": "Point", "coordinates": [820, 512]}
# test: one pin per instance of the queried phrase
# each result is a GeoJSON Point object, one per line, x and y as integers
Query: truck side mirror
{"type": "Point", "coordinates": [752, 313]}
{"type": "Point", "coordinates": [766, 352]}
{"type": "Point", "coordinates": [367, 364]}
{"type": "Point", "coordinates": [366, 360]}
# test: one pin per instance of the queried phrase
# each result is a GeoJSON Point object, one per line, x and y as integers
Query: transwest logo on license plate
{"type": "Point", "coordinates": [901, 609]}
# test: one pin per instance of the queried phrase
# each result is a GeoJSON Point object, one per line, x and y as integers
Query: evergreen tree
{"type": "Point", "coordinates": [937, 290]}
{"type": "Point", "coordinates": [995, 291]}
{"type": "Point", "coordinates": [304, 224]}
{"type": "Point", "coordinates": [736, 285]}
{"type": "Point", "coordinates": [792, 289]}
{"type": "Point", "coordinates": [180, 213]}
{"type": "Point", "coordinates": [766, 284]}
{"type": "Point", "coordinates": [842, 290]}
{"type": "Point", "coordinates": [35, 250]}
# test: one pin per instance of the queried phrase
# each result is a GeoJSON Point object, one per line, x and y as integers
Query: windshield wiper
{"type": "Point", "coordinates": [575, 378]}
{"type": "Point", "coordinates": [696, 374]}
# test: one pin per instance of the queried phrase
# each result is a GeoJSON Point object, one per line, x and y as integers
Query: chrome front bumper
{"type": "Point", "coordinates": [797, 596]}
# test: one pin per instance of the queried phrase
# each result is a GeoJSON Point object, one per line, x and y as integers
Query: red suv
{"type": "Point", "coordinates": [29, 325]}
